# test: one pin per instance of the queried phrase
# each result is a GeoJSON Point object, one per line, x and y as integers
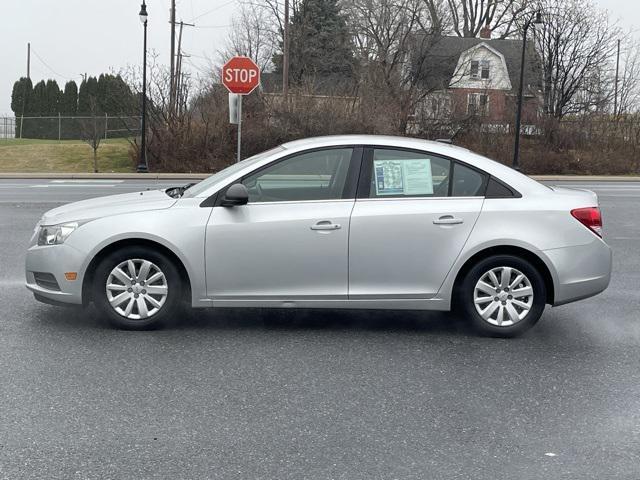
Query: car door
{"type": "Point", "coordinates": [412, 217]}
{"type": "Point", "coordinates": [290, 241]}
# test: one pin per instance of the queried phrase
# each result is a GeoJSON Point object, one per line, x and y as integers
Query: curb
{"type": "Point", "coordinates": [200, 176]}
{"type": "Point", "coordinates": [586, 178]}
{"type": "Point", "coordinates": [106, 176]}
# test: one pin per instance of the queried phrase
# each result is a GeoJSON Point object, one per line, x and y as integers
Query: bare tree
{"type": "Point", "coordinates": [92, 130]}
{"type": "Point", "coordinates": [392, 38]}
{"type": "Point", "coordinates": [253, 35]}
{"type": "Point", "coordinates": [629, 80]}
{"type": "Point", "coordinates": [468, 17]}
{"type": "Point", "coordinates": [576, 43]}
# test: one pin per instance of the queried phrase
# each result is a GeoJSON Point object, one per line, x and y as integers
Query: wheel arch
{"type": "Point", "coordinates": [521, 252]}
{"type": "Point", "coordinates": [87, 281]}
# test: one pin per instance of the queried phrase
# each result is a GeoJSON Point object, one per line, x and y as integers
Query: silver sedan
{"type": "Point", "coordinates": [335, 222]}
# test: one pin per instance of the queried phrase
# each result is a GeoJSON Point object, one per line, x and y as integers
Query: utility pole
{"type": "Point", "coordinates": [24, 95]}
{"type": "Point", "coordinates": [172, 20]}
{"type": "Point", "coordinates": [615, 100]}
{"type": "Point", "coordinates": [536, 20]}
{"type": "Point", "coordinates": [285, 54]}
{"type": "Point", "coordinates": [178, 69]}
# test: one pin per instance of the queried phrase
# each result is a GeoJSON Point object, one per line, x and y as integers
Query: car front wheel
{"type": "Point", "coordinates": [503, 296]}
{"type": "Point", "coordinates": [136, 288]}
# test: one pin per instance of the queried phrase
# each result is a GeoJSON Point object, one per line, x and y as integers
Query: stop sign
{"type": "Point", "coordinates": [240, 75]}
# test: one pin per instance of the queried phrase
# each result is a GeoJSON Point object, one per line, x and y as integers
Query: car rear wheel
{"type": "Point", "coordinates": [136, 288]}
{"type": "Point", "coordinates": [503, 296]}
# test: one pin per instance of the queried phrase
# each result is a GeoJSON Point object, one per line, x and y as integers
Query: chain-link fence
{"type": "Point", "coordinates": [69, 128]}
{"type": "Point", "coordinates": [7, 127]}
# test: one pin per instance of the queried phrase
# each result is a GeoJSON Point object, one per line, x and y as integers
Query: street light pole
{"type": "Point", "coordinates": [537, 20]}
{"type": "Point", "coordinates": [142, 163]}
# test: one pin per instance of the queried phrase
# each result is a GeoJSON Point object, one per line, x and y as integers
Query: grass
{"type": "Point", "coordinates": [66, 156]}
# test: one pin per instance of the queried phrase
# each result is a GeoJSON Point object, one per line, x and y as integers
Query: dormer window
{"type": "Point", "coordinates": [480, 69]}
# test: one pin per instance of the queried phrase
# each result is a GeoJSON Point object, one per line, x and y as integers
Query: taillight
{"type": "Point", "coordinates": [590, 217]}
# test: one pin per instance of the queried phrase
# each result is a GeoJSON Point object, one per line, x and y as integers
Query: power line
{"type": "Point", "coordinates": [214, 9]}
{"type": "Point", "coordinates": [203, 70]}
{"type": "Point", "coordinates": [213, 26]}
{"type": "Point", "coordinates": [47, 65]}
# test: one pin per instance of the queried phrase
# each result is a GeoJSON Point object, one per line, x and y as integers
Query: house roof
{"type": "Point", "coordinates": [439, 56]}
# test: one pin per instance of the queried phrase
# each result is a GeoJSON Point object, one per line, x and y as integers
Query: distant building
{"type": "Point", "coordinates": [477, 77]}
{"type": "Point", "coordinates": [462, 80]}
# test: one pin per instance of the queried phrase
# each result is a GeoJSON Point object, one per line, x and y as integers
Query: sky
{"type": "Point", "coordinates": [72, 37]}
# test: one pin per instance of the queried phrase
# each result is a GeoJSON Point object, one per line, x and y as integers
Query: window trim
{"type": "Point", "coordinates": [482, 65]}
{"type": "Point", "coordinates": [364, 183]}
{"type": "Point", "coordinates": [348, 192]}
{"type": "Point", "coordinates": [477, 107]}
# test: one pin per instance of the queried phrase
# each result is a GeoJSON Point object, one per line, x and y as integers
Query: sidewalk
{"type": "Point", "coordinates": [200, 176]}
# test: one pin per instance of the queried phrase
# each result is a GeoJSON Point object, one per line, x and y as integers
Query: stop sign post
{"type": "Point", "coordinates": [241, 76]}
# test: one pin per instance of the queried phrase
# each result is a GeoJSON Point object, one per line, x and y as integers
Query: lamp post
{"type": "Point", "coordinates": [142, 162]}
{"type": "Point", "coordinates": [535, 20]}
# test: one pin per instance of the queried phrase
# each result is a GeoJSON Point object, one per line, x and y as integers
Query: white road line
{"type": "Point", "coordinates": [86, 181]}
{"type": "Point", "coordinates": [602, 186]}
{"type": "Point", "coordinates": [72, 186]}
{"type": "Point", "coordinates": [618, 196]}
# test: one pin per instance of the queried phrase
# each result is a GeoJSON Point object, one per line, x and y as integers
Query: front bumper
{"type": "Point", "coordinates": [55, 260]}
{"type": "Point", "coordinates": [583, 271]}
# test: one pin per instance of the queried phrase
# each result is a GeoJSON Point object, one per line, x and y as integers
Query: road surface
{"type": "Point", "coordinates": [252, 394]}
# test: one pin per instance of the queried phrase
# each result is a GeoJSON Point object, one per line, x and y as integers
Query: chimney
{"type": "Point", "coordinates": [486, 32]}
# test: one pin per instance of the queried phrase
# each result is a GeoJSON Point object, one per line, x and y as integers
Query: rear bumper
{"type": "Point", "coordinates": [55, 260]}
{"type": "Point", "coordinates": [582, 271]}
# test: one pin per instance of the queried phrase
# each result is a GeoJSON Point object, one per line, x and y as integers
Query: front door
{"type": "Point", "coordinates": [290, 242]}
{"type": "Point", "coordinates": [413, 215]}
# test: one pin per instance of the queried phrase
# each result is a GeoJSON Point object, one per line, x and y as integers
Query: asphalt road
{"type": "Point", "coordinates": [252, 394]}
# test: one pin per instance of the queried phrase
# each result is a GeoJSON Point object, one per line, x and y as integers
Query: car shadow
{"type": "Point", "coordinates": [324, 320]}
{"type": "Point", "coordinates": [329, 320]}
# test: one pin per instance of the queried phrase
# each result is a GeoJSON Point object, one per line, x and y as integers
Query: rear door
{"type": "Point", "coordinates": [412, 217]}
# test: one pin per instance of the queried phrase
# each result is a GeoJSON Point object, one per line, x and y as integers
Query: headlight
{"type": "Point", "coordinates": [56, 234]}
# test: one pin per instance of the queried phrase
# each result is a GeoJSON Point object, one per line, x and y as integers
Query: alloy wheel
{"type": "Point", "coordinates": [503, 296]}
{"type": "Point", "coordinates": [137, 289]}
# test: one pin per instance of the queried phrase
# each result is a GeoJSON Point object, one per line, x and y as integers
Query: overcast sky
{"type": "Point", "coordinates": [70, 37]}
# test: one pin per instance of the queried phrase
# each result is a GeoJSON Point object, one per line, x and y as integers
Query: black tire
{"type": "Point", "coordinates": [164, 314]}
{"type": "Point", "coordinates": [465, 297]}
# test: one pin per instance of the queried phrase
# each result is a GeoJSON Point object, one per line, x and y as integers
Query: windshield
{"type": "Point", "coordinates": [228, 172]}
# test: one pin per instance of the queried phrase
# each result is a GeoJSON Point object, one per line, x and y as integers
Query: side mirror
{"type": "Point", "coordinates": [237, 194]}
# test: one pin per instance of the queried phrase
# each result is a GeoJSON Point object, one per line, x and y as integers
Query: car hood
{"type": "Point", "coordinates": [108, 206]}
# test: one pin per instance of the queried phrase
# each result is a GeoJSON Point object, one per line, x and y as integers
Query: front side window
{"type": "Point", "coordinates": [317, 175]}
{"type": "Point", "coordinates": [400, 173]}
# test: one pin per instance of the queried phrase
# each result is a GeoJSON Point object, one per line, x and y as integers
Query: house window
{"type": "Point", "coordinates": [480, 69]}
{"type": "Point", "coordinates": [478, 104]}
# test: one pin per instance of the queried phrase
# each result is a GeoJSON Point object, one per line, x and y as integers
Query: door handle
{"type": "Point", "coordinates": [326, 225]}
{"type": "Point", "coordinates": [448, 220]}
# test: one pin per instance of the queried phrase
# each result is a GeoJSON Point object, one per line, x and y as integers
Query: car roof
{"type": "Point", "coordinates": [386, 140]}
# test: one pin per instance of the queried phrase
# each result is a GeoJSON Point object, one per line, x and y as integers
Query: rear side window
{"type": "Point", "coordinates": [468, 182]}
{"type": "Point", "coordinates": [497, 189]}
{"type": "Point", "coordinates": [401, 173]}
